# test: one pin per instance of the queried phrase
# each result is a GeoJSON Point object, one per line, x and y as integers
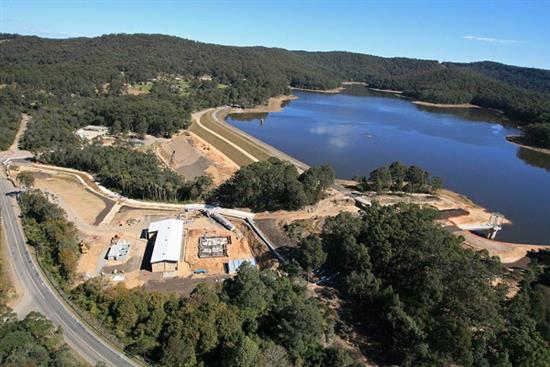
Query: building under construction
{"type": "Point", "coordinates": [213, 246]}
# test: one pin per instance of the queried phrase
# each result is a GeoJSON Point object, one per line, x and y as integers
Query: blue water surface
{"type": "Point", "coordinates": [467, 148]}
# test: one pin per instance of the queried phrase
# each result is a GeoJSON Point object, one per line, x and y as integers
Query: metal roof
{"type": "Point", "coordinates": [168, 240]}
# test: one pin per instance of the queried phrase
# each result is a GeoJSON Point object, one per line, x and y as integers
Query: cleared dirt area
{"type": "Point", "coordinates": [135, 217]}
{"type": "Point", "coordinates": [272, 223]}
{"type": "Point", "coordinates": [191, 156]}
{"type": "Point", "coordinates": [275, 104]}
{"type": "Point", "coordinates": [238, 248]}
{"type": "Point", "coordinates": [508, 252]}
{"type": "Point", "coordinates": [335, 203]}
{"type": "Point", "coordinates": [65, 188]}
{"type": "Point", "coordinates": [445, 200]}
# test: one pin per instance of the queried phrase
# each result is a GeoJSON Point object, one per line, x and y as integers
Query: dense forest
{"type": "Point", "coordinates": [52, 235]}
{"type": "Point", "coordinates": [132, 173]}
{"type": "Point", "coordinates": [10, 117]}
{"type": "Point", "coordinates": [429, 301]}
{"type": "Point", "coordinates": [537, 80]}
{"type": "Point", "coordinates": [257, 318]}
{"type": "Point", "coordinates": [274, 185]}
{"type": "Point", "coordinates": [457, 85]}
{"type": "Point", "coordinates": [538, 135]}
{"type": "Point", "coordinates": [84, 66]}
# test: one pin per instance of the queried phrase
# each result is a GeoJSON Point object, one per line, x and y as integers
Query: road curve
{"type": "Point", "coordinates": [41, 297]}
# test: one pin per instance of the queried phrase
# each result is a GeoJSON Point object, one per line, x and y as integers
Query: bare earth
{"type": "Point", "coordinates": [386, 91]}
{"type": "Point", "coordinates": [195, 157]}
{"type": "Point", "coordinates": [328, 91]}
{"type": "Point", "coordinates": [201, 226]}
{"type": "Point", "coordinates": [446, 105]}
{"type": "Point", "coordinates": [275, 104]}
{"type": "Point", "coordinates": [508, 252]}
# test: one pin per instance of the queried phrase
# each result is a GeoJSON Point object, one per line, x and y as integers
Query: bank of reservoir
{"type": "Point", "coordinates": [357, 131]}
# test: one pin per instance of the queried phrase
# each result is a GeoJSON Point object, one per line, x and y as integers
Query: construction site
{"type": "Point", "coordinates": [137, 243]}
{"type": "Point", "coordinates": [118, 235]}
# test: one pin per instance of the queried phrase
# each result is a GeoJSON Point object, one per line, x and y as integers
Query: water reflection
{"type": "Point", "coordinates": [360, 130]}
{"type": "Point", "coordinates": [534, 158]}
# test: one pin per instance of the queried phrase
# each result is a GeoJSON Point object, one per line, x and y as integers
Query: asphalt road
{"type": "Point", "coordinates": [39, 296]}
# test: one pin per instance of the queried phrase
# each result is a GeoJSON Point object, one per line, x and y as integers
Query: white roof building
{"type": "Point", "coordinates": [168, 241]}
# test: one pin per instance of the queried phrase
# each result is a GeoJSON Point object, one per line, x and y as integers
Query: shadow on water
{"type": "Point", "coordinates": [248, 116]}
{"type": "Point", "coordinates": [534, 158]}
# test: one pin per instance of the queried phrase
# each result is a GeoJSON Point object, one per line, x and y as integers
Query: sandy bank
{"type": "Point", "coordinates": [327, 91]}
{"type": "Point", "coordinates": [507, 251]}
{"type": "Point", "coordinates": [274, 104]}
{"type": "Point", "coordinates": [517, 140]}
{"type": "Point", "coordinates": [446, 105]}
{"type": "Point", "coordinates": [386, 91]}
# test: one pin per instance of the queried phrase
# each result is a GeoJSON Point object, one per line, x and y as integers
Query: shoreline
{"type": "Point", "coordinates": [446, 105]}
{"type": "Point", "coordinates": [516, 140]}
{"type": "Point", "coordinates": [391, 91]}
{"type": "Point", "coordinates": [275, 104]}
{"type": "Point", "coordinates": [326, 91]}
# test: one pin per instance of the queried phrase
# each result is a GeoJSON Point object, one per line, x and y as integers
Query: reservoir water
{"type": "Point", "coordinates": [358, 131]}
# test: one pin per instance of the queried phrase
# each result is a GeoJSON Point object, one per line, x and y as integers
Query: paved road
{"type": "Point", "coordinates": [41, 297]}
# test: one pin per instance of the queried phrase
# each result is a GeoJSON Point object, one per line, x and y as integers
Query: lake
{"type": "Point", "coordinates": [357, 131]}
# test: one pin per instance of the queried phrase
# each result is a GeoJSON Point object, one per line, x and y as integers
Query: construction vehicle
{"type": "Point", "coordinates": [84, 247]}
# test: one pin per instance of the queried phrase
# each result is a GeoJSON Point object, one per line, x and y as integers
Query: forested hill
{"type": "Point", "coordinates": [537, 80]}
{"type": "Point", "coordinates": [83, 66]}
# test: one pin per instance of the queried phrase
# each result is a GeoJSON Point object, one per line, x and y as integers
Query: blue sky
{"type": "Point", "coordinates": [513, 32]}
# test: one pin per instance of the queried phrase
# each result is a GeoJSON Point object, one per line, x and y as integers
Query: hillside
{"type": "Point", "coordinates": [537, 80]}
{"type": "Point", "coordinates": [83, 66]}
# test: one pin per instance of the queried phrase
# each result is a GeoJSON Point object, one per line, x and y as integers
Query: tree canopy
{"type": "Point", "coordinates": [274, 185]}
{"type": "Point", "coordinates": [426, 298]}
{"type": "Point", "coordinates": [256, 318]}
{"type": "Point", "coordinates": [399, 177]}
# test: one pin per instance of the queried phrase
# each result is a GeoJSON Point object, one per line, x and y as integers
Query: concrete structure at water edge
{"type": "Point", "coordinates": [167, 250]}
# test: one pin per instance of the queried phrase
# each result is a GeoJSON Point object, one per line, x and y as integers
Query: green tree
{"type": "Point", "coordinates": [26, 179]}
{"type": "Point", "coordinates": [311, 254]}
{"type": "Point", "coordinates": [398, 173]}
{"type": "Point", "coordinates": [380, 179]}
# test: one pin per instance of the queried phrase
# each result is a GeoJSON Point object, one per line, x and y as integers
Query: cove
{"type": "Point", "coordinates": [357, 131]}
